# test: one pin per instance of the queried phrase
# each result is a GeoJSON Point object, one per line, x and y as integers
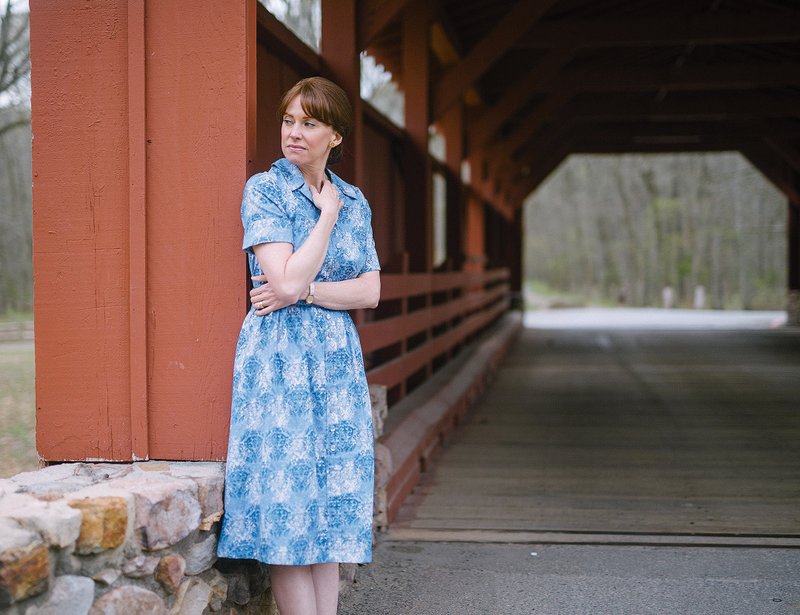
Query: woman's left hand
{"type": "Point", "coordinates": [263, 297]}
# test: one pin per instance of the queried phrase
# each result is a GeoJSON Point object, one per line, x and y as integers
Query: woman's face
{"type": "Point", "coordinates": [305, 141]}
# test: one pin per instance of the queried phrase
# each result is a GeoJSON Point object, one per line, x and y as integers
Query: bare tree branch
{"type": "Point", "coordinates": [14, 49]}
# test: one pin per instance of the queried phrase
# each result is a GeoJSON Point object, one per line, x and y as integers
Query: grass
{"type": "Point", "coordinates": [15, 315]}
{"type": "Point", "coordinates": [17, 409]}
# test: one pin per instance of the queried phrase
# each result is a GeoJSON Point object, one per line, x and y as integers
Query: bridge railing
{"type": "Point", "coordinates": [424, 320]}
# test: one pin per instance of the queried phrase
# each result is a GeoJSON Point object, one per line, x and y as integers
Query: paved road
{"type": "Point", "coordinates": [492, 579]}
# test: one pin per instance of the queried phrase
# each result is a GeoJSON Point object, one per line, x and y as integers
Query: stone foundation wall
{"type": "Point", "coordinates": [119, 539]}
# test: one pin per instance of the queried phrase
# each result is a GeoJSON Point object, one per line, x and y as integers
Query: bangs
{"type": "Point", "coordinates": [316, 105]}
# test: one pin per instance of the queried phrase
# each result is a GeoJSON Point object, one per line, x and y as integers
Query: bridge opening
{"type": "Point", "coordinates": [687, 231]}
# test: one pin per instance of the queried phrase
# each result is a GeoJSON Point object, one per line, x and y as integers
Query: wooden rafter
{"type": "Point", "coordinates": [519, 92]}
{"type": "Point", "coordinates": [681, 107]}
{"type": "Point", "coordinates": [788, 152]}
{"type": "Point", "coordinates": [705, 29]}
{"type": "Point", "coordinates": [374, 16]}
{"type": "Point", "coordinates": [644, 131]}
{"type": "Point", "coordinates": [773, 168]}
{"type": "Point", "coordinates": [539, 172]}
{"type": "Point", "coordinates": [499, 40]}
{"type": "Point", "coordinates": [527, 128]}
{"type": "Point", "coordinates": [667, 145]}
{"type": "Point", "coordinates": [702, 78]}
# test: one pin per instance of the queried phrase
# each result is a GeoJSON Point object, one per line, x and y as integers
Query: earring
{"type": "Point", "coordinates": [333, 145]}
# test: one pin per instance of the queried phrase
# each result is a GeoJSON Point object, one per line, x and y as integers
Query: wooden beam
{"type": "Point", "coordinates": [137, 231]}
{"type": "Point", "coordinates": [509, 144]}
{"type": "Point", "coordinates": [631, 146]}
{"type": "Point", "coordinates": [677, 130]}
{"type": "Point", "coordinates": [606, 78]}
{"type": "Point", "coordinates": [500, 39]}
{"type": "Point", "coordinates": [682, 107]}
{"type": "Point", "coordinates": [544, 167]}
{"type": "Point", "coordinates": [705, 29]}
{"type": "Point", "coordinates": [787, 151]}
{"type": "Point", "coordinates": [374, 16]}
{"type": "Point", "coordinates": [773, 168]}
{"type": "Point", "coordinates": [284, 43]}
{"type": "Point", "coordinates": [416, 81]}
{"type": "Point", "coordinates": [520, 92]}
{"type": "Point", "coordinates": [340, 56]}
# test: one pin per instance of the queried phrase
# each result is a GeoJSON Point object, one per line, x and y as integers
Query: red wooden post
{"type": "Point", "coordinates": [418, 204]}
{"type": "Point", "coordinates": [340, 55]}
{"type": "Point", "coordinates": [142, 146]}
{"type": "Point", "coordinates": [452, 125]}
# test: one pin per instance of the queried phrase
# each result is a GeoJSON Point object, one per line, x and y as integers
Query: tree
{"type": "Point", "coordinates": [15, 66]}
{"type": "Point", "coordinates": [16, 275]}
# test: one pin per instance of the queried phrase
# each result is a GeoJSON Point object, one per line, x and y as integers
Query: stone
{"type": "Point", "coordinates": [219, 589]}
{"type": "Point", "coordinates": [57, 524]}
{"type": "Point", "coordinates": [210, 479]}
{"type": "Point", "coordinates": [383, 464]}
{"type": "Point", "coordinates": [55, 479]}
{"type": "Point", "coordinates": [169, 572]}
{"type": "Point", "coordinates": [104, 523]}
{"type": "Point", "coordinates": [193, 598]}
{"type": "Point", "coordinates": [70, 594]}
{"type": "Point", "coordinates": [263, 604]}
{"type": "Point", "coordinates": [380, 408]}
{"type": "Point", "coordinates": [24, 563]}
{"type": "Point", "coordinates": [238, 588]}
{"type": "Point", "coordinates": [166, 508]}
{"type": "Point", "coordinates": [208, 522]}
{"type": "Point", "coordinates": [129, 600]}
{"type": "Point", "coordinates": [383, 471]}
{"type": "Point", "coordinates": [66, 562]}
{"type": "Point", "coordinates": [201, 555]}
{"type": "Point", "coordinates": [7, 487]}
{"type": "Point", "coordinates": [108, 471]}
{"type": "Point", "coordinates": [140, 566]}
{"type": "Point", "coordinates": [107, 576]}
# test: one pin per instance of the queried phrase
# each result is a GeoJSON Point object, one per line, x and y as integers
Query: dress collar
{"type": "Point", "coordinates": [297, 182]}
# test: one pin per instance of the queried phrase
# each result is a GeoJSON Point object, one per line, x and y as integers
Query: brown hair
{"type": "Point", "coordinates": [325, 101]}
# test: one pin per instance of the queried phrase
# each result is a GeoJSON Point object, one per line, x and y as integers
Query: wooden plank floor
{"type": "Point", "coordinates": [626, 431]}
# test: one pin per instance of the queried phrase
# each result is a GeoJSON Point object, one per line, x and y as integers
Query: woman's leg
{"type": "Point", "coordinates": [326, 587]}
{"type": "Point", "coordinates": [294, 589]}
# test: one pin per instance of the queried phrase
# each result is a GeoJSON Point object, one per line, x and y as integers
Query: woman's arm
{"type": "Point", "coordinates": [361, 292]}
{"type": "Point", "coordinates": [289, 273]}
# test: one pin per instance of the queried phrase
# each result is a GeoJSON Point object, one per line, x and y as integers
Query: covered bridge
{"type": "Point", "coordinates": [149, 116]}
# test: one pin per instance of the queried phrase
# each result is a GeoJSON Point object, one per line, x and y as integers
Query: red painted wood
{"type": "Point", "coordinates": [80, 229]}
{"type": "Point", "coordinates": [138, 171]}
{"type": "Point", "coordinates": [340, 57]}
{"type": "Point", "coordinates": [197, 122]}
{"type": "Point", "coordinates": [381, 333]}
{"type": "Point", "coordinates": [137, 231]}
{"type": "Point", "coordinates": [397, 370]}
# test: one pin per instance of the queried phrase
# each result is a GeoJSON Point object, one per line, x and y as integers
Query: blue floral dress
{"type": "Point", "coordinates": [299, 476]}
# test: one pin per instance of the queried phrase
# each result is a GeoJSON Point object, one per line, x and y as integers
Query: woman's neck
{"type": "Point", "coordinates": [314, 176]}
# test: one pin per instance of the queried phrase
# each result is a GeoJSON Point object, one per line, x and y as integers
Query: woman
{"type": "Point", "coordinates": [299, 477]}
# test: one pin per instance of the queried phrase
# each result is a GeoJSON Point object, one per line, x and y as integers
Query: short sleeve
{"type": "Point", "coordinates": [263, 216]}
{"type": "Point", "coordinates": [371, 263]}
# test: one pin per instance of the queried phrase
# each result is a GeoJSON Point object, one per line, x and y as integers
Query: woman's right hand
{"type": "Point", "coordinates": [327, 200]}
